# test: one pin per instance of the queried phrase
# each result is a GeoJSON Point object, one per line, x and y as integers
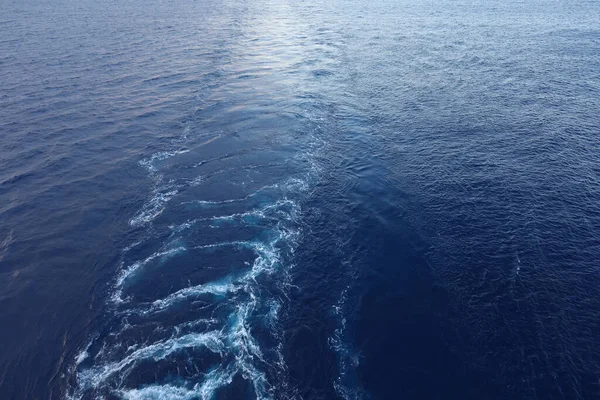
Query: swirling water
{"type": "Point", "coordinates": [284, 200]}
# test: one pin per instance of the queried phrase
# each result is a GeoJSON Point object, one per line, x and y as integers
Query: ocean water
{"type": "Point", "coordinates": [274, 199]}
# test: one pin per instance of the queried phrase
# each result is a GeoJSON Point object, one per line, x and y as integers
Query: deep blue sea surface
{"type": "Point", "coordinates": [277, 199]}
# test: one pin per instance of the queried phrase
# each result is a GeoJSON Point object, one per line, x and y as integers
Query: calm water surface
{"type": "Point", "coordinates": [278, 199]}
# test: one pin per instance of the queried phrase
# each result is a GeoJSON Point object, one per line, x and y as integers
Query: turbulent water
{"type": "Point", "coordinates": [278, 199]}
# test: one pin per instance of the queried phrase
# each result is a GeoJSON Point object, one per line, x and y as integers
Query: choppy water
{"type": "Point", "coordinates": [284, 200]}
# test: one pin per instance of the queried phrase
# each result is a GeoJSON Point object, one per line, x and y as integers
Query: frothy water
{"type": "Point", "coordinates": [237, 319]}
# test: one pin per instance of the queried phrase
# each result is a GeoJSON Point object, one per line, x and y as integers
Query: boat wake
{"type": "Point", "coordinates": [194, 307]}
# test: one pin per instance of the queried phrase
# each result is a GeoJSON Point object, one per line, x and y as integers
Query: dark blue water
{"type": "Point", "coordinates": [299, 199]}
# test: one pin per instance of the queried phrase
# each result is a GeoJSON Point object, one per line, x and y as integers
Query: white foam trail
{"type": "Point", "coordinates": [198, 180]}
{"type": "Point", "coordinates": [157, 351]}
{"type": "Point", "coordinates": [214, 380]}
{"type": "Point", "coordinates": [154, 207]}
{"type": "Point", "coordinates": [240, 341]}
{"type": "Point", "coordinates": [195, 324]}
{"type": "Point", "coordinates": [262, 213]}
{"type": "Point", "coordinates": [83, 354]}
{"type": "Point", "coordinates": [159, 392]}
{"type": "Point", "coordinates": [216, 202]}
{"type": "Point", "coordinates": [348, 361]}
{"type": "Point", "coordinates": [148, 163]}
{"type": "Point", "coordinates": [5, 245]}
{"type": "Point", "coordinates": [127, 249]}
{"type": "Point", "coordinates": [216, 288]}
{"type": "Point", "coordinates": [137, 265]}
{"type": "Point", "coordinates": [246, 348]}
{"type": "Point", "coordinates": [291, 185]}
{"type": "Point", "coordinates": [133, 268]}
{"type": "Point", "coordinates": [240, 336]}
{"type": "Point", "coordinates": [267, 258]}
{"type": "Point", "coordinates": [182, 227]}
{"type": "Point", "coordinates": [273, 314]}
{"type": "Point", "coordinates": [240, 243]}
{"type": "Point", "coordinates": [162, 194]}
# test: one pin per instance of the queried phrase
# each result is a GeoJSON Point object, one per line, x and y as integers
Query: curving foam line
{"type": "Point", "coordinates": [148, 163]}
{"type": "Point", "coordinates": [215, 379]}
{"type": "Point", "coordinates": [139, 264]}
{"type": "Point", "coordinates": [348, 361]}
{"type": "Point", "coordinates": [159, 392]}
{"type": "Point", "coordinates": [234, 339]}
{"type": "Point", "coordinates": [157, 351]}
{"type": "Point", "coordinates": [133, 268]}
{"type": "Point", "coordinates": [154, 207]}
{"type": "Point", "coordinates": [247, 350]}
{"type": "Point", "coordinates": [215, 288]}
